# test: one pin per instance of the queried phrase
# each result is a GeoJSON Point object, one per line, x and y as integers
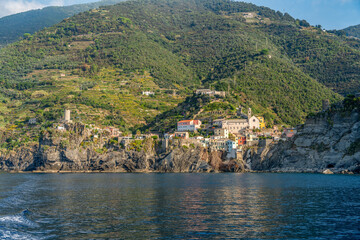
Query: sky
{"type": "Point", "coordinates": [331, 14]}
{"type": "Point", "coordinates": [9, 7]}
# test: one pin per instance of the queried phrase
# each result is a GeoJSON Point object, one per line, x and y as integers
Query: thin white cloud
{"type": "Point", "coordinates": [9, 7]}
{"type": "Point", "coordinates": [57, 3]}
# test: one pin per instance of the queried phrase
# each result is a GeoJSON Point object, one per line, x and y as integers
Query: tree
{"type": "Point", "coordinates": [27, 35]}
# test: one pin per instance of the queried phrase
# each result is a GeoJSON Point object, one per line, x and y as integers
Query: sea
{"type": "Point", "coordinates": [179, 206]}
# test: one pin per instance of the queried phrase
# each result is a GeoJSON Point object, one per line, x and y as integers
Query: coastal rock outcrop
{"type": "Point", "coordinates": [325, 142]}
{"type": "Point", "coordinates": [78, 149]}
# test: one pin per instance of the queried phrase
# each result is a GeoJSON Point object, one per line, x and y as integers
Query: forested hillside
{"type": "Point", "coordinates": [15, 26]}
{"type": "Point", "coordinates": [353, 31]}
{"type": "Point", "coordinates": [97, 63]}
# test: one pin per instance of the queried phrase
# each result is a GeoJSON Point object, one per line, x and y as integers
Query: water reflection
{"type": "Point", "coordinates": [196, 206]}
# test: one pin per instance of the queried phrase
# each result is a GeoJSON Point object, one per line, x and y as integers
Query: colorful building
{"type": "Point", "coordinates": [241, 140]}
{"type": "Point", "coordinates": [262, 122]}
{"type": "Point", "coordinates": [231, 145]}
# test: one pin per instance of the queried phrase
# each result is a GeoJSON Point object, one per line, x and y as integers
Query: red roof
{"type": "Point", "coordinates": [185, 121]}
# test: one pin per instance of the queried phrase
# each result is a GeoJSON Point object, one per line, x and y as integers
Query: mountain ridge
{"type": "Point", "coordinates": [353, 31]}
{"type": "Point", "coordinates": [99, 62]}
{"type": "Point", "coordinates": [15, 26]}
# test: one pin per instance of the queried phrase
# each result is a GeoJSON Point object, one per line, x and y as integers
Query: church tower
{"type": "Point", "coordinates": [249, 113]}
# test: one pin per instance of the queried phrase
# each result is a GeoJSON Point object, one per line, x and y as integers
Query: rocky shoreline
{"type": "Point", "coordinates": [328, 143]}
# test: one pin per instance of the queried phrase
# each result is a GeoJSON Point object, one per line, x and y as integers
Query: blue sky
{"type": "Point", "coordinates": [331, 14]}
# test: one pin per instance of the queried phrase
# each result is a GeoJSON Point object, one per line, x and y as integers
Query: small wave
{"type": "Point", "coordinates": [11, 234]}
{"type": "Point", "coordinates": [19, 219]}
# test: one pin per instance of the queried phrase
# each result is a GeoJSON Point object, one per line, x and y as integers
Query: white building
{"type": "Point", "coordinates": [210, 92]}
{"type": "Point", "coordinates": [188, 125]}
{"type": "Point", "coordinates": [235, 126]}
{"type": "Point", "coordinates": [254, 123]}
{"type": "Point", "coordinates": [148, 93]}
{"type": "Point", "coordinates": [232, 125]}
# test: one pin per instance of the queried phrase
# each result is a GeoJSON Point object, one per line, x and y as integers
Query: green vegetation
{"type": "Point", "coordinates": [24, 24]}
{"type": "Point", "coordinates": [353, 31]}
{"type": "Point", "coordinates": [99, 62]}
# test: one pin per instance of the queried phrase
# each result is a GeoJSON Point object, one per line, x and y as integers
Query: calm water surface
{"type": "Point", "coordinates": [177, 206]}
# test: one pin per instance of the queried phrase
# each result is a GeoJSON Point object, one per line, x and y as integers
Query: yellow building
{"type": "Point", "coordinates": [262, 122]}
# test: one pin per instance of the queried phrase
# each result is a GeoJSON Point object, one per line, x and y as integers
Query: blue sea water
{"type": "Point", "coordinates": [179, 206]}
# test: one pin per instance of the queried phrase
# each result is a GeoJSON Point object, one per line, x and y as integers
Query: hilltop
{"type": "Point", "coordinates": [99, 62]}
{"type": "Point", "coordinates": [15, 26]}
{"type": "Point", "coordinates": [353, 31]}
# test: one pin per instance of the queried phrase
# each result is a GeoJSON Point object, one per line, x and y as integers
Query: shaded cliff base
{"type": "Point", "coordinates": [177, 159]}
{"type": "Point", "coordinates": [328, 143]}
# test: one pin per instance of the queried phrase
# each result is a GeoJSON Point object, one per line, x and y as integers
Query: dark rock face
{"type": "Point", "coordinates": [58, 151]}
{"type": "Point", "coordinates": [327, 142]}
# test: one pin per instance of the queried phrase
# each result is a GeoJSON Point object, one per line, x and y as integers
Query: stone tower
{"type": "Point", "coordinates": [249, 113]}
{"type": "Point", "coordinates": [239, 111]}
{"type": "Point", "coordinates": [67, 115]}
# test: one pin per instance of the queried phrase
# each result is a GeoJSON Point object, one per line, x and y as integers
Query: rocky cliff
{"type": "Point", "coordinates": [79, 149]}
{"type": "Point", "coordinates": [329, 142]}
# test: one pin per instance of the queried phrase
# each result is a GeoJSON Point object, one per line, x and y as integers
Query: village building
{"type": "Point", "coordinates": [254, 123]}
{"type": "Point", "coordinates": [147, 93]}
{"type": "Point", "coordinates": [216, 137]}
{"type": "Point", "coordinates": [210, 92]}
{"type": "Point", "coordinates": [219, 144]}
{"type": "Point", "coordinates": [232, 125]}
{"type": "Point", "coordinates": [181, 135]}
{"type": "Point", "coordinates": [241, 140]}
{"type": "Point", "coordinates": [231, 145]}
{"type": "Point", "coordinates": [252, 140]}
{"type": "Point", "coordinates": [168, 136]}
{"type": "Point", "coordinates": [205, 142]}
{"type": "Point", "coordinates": [289, 132]}
{"type": "Point", "coordinates": [32, 121]}
{"type": "Point", "coordinates": [221, 132]}
{"type": "Point", "coordinates": [188, 125]}
{"type": "Point", "coordinates": [61, 127]}
{"type": "Point", "coordinates": [197, 138]}
{"type": "Point", "coordinates": [114, 132]}
{"type": "Point", "coordinates": [236, 126]}
{"type": "Point", "coordinates": [262, 122]}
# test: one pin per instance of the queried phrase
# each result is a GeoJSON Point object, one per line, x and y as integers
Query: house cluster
{"type": "Point", "coordinates": [239, 126]}
{"type": "Point", "coordinates": [228, 134]}
{"type": "Point", "coordinates": [231, 135]}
